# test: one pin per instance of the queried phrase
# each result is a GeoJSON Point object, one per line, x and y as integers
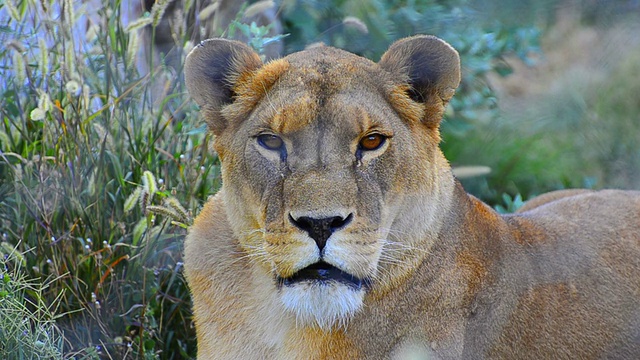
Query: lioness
{"type": "Point", "coordinates": [341, 233]}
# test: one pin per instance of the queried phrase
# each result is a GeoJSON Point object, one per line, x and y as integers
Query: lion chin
{"type": "Point", "coordinates": [326, 305]}
{"type": "Point", "coordinates": [322, 296]}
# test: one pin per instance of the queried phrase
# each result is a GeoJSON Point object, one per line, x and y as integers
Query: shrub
{"type": "Point", "coordinates": [576, 125]}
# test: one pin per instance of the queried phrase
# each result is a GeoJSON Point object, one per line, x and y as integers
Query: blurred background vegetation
{"type": "Point", "coordinates": [104, 160]}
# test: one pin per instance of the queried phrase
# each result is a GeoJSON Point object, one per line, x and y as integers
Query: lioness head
{"type": "Point", "coordinates": [325, 157]}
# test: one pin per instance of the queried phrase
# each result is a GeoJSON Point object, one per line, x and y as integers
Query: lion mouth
{"type": "Point", "coordinates": [323, 273]}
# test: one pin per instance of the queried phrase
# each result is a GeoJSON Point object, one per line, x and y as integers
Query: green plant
{"type": "Point", "coordinates": [613, 127]}
{"type": "Point", "coordinates": [509, 204]}
{"type": "Point", "coordinates": [27, 318]}
{"type": "Point", "coordinates": [257, 36]}
{"type": "Point", "coordinates": [581, 130]}
{"type": "Point", "coordinates": [80, 130]}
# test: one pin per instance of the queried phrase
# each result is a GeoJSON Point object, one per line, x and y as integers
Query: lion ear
{"type": "Point", "coordinates": [211, 70]}
{"type": "Point", "coordinates": [429, 65]}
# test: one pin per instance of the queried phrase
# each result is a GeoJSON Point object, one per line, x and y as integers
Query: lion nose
{"type": "Point", "coordinates": [321, 229]}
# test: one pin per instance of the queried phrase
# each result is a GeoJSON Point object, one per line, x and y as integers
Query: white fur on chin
{"type": "Point", "coordinates": [325, 305]}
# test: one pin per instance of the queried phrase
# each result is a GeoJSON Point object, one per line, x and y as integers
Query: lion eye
{"type": "Point", "coordinates": [270, 142]}
{"type": "Point", "coordinates": [372, 142]}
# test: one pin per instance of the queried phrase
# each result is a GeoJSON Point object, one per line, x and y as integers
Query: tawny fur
{"type": "Point", "coordinates": [448, 276]}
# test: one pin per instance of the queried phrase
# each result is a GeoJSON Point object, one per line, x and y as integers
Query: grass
{"type": "Point", "coordinates": [81, 131]}
{"type": "Point", "coordinates": [27, 324]}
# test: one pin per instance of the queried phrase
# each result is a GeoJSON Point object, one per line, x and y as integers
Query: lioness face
{"type": "Point", "coordinates": [313, 178]}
